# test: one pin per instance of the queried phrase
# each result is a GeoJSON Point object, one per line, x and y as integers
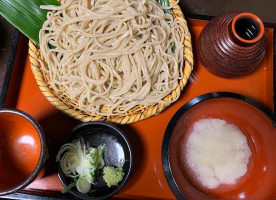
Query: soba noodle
{"type": "Point", "coordinates": [112, 55]}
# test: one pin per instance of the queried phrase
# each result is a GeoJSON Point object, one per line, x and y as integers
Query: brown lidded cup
{"type": "Point", "coordinates": [232, 44]}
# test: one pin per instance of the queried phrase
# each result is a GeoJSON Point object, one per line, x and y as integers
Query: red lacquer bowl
{"type": "Point", "coordinates": [22, 150]}
{"type": "Point", "coordinates": [258, 126]}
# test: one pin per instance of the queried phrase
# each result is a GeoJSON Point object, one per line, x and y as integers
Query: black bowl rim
{"type": "Point", "coordinates": [180, 112]}
{"type": "Point", "coordinates": [43, 152]}
{"type": "Point", "coordinates": [72, 133]}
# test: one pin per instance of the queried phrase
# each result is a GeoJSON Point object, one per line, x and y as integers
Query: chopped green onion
{"type": "Point", "coordinates": [71, 185]}
{"type": "Point", "coordinates": [103, 150]}
{"type": "Point", "coordinates": [83, 185]}
{"type": "Point", "coordinates": [80, 163]}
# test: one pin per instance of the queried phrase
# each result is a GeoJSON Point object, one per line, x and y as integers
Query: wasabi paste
{"type": "Point", "coordinates": [112, 176]}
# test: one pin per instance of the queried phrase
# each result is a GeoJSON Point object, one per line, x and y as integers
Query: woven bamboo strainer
{"type": "Point", "coordinates": [70, 107]}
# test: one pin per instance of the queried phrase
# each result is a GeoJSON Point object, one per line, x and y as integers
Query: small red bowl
{"type": "Point", "coordinates": [22, 150]}
{"type": "Point", "coordinates": [257, 125]}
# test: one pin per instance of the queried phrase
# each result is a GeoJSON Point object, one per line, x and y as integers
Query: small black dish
{"type": "Point", "coordinates": [118, 153]}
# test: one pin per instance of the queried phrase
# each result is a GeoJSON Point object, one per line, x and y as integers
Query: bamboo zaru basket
{"type": "Point", "coordinates": [70, 106]}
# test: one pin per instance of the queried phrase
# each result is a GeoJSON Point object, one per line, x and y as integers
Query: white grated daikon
{"type": "Point", "coordinates": [218, 152]}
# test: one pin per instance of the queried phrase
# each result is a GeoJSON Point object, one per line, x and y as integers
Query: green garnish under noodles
{"type": "Point", "coordinates": [112, 176]}
{"type": "Point", "coordinates": [165, 3]}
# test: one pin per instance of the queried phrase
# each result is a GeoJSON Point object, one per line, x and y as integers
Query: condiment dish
{"type": "Point", "coordinates": [118, 153]}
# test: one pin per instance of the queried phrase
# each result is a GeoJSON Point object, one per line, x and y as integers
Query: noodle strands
{"type": "Point", "coordinates": [110, 56]}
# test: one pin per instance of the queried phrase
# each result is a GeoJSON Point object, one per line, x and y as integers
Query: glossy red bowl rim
{"type": "Point", "coordinates": [174, 120]}
{"type": "Point", "coordinates": [43, 150]}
